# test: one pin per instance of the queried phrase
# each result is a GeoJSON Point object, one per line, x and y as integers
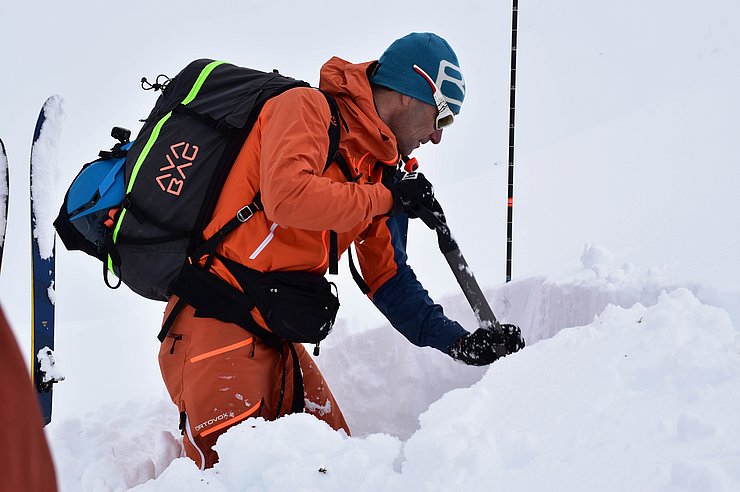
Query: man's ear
{"type": "Point", "coordinates": [405, 100]}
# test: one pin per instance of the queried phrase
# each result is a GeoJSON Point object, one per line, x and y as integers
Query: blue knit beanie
{"type": "Point", "coordinates": [435, 56]}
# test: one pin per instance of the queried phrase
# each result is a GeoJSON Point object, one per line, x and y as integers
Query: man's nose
{"type": "Point", "coordinates": [436, 137]}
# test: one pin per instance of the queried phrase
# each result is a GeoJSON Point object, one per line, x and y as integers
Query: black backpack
{"type": "Point", "coordinates": [141, 208]}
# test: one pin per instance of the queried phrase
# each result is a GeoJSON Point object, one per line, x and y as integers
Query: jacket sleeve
{"type": "Point", "coordinates": [396, 291]}
{"type": "Point", "coordinates": [294, 146]}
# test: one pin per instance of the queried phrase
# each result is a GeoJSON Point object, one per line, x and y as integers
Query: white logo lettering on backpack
{"type": "Point", "coordinates": [169, 181]}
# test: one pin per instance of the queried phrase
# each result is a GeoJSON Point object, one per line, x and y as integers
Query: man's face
{"type": "Point", "coordinates": [414, 126]}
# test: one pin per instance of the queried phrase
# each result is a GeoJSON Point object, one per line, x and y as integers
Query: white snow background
{"type": "Point", "coordinates": [626, 230]}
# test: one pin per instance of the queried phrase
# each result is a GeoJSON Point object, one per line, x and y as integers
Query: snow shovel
{"type": "Point", "coordinates": [464, 275]}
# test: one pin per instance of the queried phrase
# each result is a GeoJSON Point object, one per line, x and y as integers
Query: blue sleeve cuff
{"type": "Point", "coordinates": [407, 305]}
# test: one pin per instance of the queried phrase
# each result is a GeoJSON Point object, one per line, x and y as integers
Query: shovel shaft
{"type": "Point", "coordinates": [472, 290]}
{"type": "Point", "coordinates": [463, 274]}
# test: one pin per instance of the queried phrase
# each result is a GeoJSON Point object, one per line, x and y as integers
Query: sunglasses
{"type": "Point", "coordinates": [445, 117]}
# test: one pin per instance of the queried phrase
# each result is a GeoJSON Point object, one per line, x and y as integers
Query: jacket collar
{"type": "Point", "coordinates": [349, 84]}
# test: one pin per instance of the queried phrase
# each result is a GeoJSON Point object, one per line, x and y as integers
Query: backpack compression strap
{"type": "Point", "coordinates": [333, 239]}
{"type": "Point", "coordinates": [211, 244]}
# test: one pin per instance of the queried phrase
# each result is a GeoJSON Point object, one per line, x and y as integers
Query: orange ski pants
{"type": "Point", "coordinates": [219, 374]}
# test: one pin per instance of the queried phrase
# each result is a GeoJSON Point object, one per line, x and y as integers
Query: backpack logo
{"type": "Point", "coordinates": [177, 161]}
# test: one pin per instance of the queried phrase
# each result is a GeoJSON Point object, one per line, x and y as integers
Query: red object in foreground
{"type": "Point", "coordinates": [24, 451]}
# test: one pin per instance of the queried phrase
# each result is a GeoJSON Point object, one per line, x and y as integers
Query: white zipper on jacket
{"type": "Point", "coordinates": [264, 243]}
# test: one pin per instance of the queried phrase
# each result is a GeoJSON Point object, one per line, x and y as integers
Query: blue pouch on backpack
{"type": "Point", "coordinates": [97, 190]}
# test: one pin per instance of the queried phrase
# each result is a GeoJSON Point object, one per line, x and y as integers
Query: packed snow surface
{"type": "Point", "coordinates": [644, 396]}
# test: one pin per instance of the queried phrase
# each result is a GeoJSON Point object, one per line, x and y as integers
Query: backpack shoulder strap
{"type": "Point", "coordinates": [209, 246]}
{"type": "Point", "coordinates": [335, 156]}
{"type": "Point", "coordinates": [334, 131]}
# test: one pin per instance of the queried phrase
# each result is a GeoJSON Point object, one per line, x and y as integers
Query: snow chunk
{"type": "Point", "coordinates": [52, 293]}
{"type": "Point", "coordinates": [594, 254]}
{"type": "Point", "coordinates": [44, 165]}
{"type": "Point", "coordinates": [48, 366]}
{"type": "Point", "coordinates": [315, 408]}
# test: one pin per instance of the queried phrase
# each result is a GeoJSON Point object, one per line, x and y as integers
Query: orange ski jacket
{"type": "Point", "coordinates": [284, 157]}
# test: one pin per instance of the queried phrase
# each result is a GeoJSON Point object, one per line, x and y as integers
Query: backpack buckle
{"type": "Point", "coordinates": [242, 216]}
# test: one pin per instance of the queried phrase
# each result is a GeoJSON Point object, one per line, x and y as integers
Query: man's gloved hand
{"type": "Point", "coordinates": [410, 192]}
{"type": "Point", "coordinates": [479, 348]}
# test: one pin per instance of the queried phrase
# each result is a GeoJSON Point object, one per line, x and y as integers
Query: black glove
{"type": "Point", "coordinates": [479, 348]}
{"type": "Point", "coordinates": [411, 191]}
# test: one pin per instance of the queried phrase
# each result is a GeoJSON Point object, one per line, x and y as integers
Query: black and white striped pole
{"type": "Point", "coordinates": [512, 105]}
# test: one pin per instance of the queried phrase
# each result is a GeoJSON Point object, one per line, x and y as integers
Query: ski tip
{"type": "Point", "coordinates": [53, 108]}
{"type": "Point", "coordinates": [54, 99]}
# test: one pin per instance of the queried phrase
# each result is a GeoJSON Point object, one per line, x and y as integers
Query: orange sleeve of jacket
{"type": "Point", "coordinates": [295, 144]}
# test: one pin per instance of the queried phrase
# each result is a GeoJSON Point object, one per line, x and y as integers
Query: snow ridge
{"type": "Point", "coordinates": [641, 397]}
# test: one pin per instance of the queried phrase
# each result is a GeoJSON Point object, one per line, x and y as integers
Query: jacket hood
{"type": "Point", "coordinates": [349, 84]}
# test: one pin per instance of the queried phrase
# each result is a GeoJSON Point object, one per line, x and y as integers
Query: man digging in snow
{"type": "Point", "coordinates": [219, 373]}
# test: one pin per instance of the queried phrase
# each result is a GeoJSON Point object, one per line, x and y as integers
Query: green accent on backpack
{"type": "Point", "coordinates": [145, 231]}
{"type": "Point", "coordinates": [153, 138]}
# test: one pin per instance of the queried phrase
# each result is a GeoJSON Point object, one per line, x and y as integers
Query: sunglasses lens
{"type": "Point", "coordinates": [445, 121]}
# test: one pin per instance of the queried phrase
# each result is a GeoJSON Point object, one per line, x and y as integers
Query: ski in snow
{"type": "Point", "coordinates": [43, 203]}
{"type": "Point", "coordinates": [4, 193]}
